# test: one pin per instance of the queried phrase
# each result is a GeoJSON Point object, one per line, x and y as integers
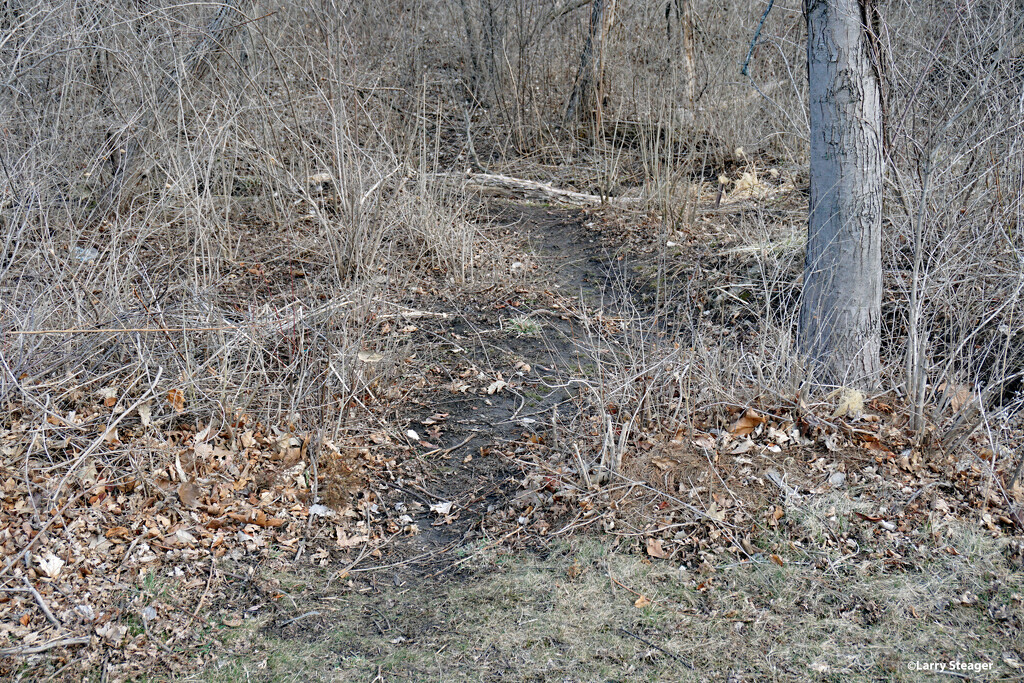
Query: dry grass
{"type": "Point", "coordinates": [571, 614]}
{"type": "Point", "coordinates": [275, 214]}
{"type": "Point", "coordinates": [325, 149]}
{"type": "Point", "coordinates": [292, 205]}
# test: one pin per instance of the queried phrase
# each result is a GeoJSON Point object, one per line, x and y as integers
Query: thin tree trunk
{"type": "Point", "coordinates": [492, 45]}
{"type": "Point", "coordinates": [685, 10]}
{"type": "Point", "coordinates": [474, 61]}
{"type": "Point", "coordinates": [585, 100]}
{"type": "Point", "coordinates": [840, 318]}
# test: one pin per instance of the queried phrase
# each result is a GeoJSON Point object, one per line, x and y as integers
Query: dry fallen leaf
{"type": "Point", "coordinates": [146, 414]}
{"type": "Point", "coordinates": [442, 508]}
{"type": "Point", "coordinates": [346, 541]}
{"type": "Point", "coordinates": [654, 548]}
{"type": "Point", "coordinates": [750, 421]}
{"type": "Point", "coordinates": [112, 632]}
{"type": "Point", "coordinates": [714, 513]}
{"type": "Point", "coordinates": [869, 518]}
{"type": "Point", "coordinates": [177, 400]}
{"type": "Point", "coordinates": [663, 463]}
{"type": "Point", "coordinates": [50, 566]}
{"type": "Point", "coordinates": [109, 396]}
{"type": "Point", "coordinates": [370, 357]}
{"type": "Point", "coordinates": [182, 537]}
{"type": "Point", "coordinates": [189, 494]}
{"type": "Point", "coordinates": [959, 395]}
{"type": "Point", "coordinates": [257, 517]}
{"type": "Point", "coordinates": [742, 447]}
{"type": "Point", "coordinates": [703, 440]}
{"type": "Point", "coordinates": [642, 601]}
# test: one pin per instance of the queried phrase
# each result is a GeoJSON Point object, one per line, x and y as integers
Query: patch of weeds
{"type": "Point", "coordinates": [133, 624]}
{"type": "Point", "coordinates": [533, 396]}
{"type": "Point", "coordinates": [155, 586]}
{"type": "Point", "coordinates": [524, 326]}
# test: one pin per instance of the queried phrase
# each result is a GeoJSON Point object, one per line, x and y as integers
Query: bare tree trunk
{"type": "Point", "coordinates": [194, 67]}
{"type": "Point", "coordinates": [474, 61]}
{"type": "Point", "coordinates": [840, 318]}
{"type": "Point", "coordinates": [585, 100]}
{"type": "Point", "coordinates": [686, 10]}
{"type": "Point", "coordinates": [684, 13]}
{"type": "Point", "coordinates": [492, 43]}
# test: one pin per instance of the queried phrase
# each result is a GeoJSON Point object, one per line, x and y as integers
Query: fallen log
{"type": "Point", "coordinates": [507, 186]}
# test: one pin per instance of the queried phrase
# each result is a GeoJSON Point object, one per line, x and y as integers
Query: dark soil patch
{"type": "Point", "coordinates": [509, 326]}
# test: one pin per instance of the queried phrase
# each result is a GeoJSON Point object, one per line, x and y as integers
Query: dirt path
{"type": "Point", "coordinates": [498, 339]}
{"type": "Point", "coordinates": [472, 469]}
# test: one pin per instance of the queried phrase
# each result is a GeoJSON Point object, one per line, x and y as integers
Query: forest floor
{"type": "Point", "coordinates": [468, 540]}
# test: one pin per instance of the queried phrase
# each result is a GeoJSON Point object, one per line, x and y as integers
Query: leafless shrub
{"type": "Point", "coordinates": [657, 367]}
{"type": "Point", "coordinates": [956, 107]}
{"type": "Point", "coordinates": [309, 165]}
{"type": "Point", "coordinates": [525, 76]}
{"type": "Point", "coordinates": [275, 210]}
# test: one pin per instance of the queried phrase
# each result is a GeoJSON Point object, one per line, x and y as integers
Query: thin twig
{"type": "Point", "coordinates": [683, 503]}
{"type": "Point", "coordinates": [470, 557]}
{"type": "Point", "coordinates": [757, 34]}
{"type": "Point", "coordinates": [660, 649]}
{"type": "Point", "coordinates": [310, 447]}
{"type": "Point", "coordinates": [584, 473]}
{"type": "Point", "coordinates": [446, 451]}
{"type": "Point", "coordinates": [103, 436]}
{"type": "Point", "coordinates": [914, 497]}
{"type": "Point", "coordinates": [49, 645]}
{"type": "Point", "coordinates": [301, 616]}
{"type": "Point", "coordinates": [202, 597]}
{"type": "Point", "coordinates": [114, 330]}
{"type": "Point", "coordinates": [74, 466]}
{"type": "Point", "coordinates": [60, 514]}
{"type": "Point", "coordinates": [403, 563]}
{"type": "Point", "coordinates": [42, 603]}
{"type": "Point", "coordinates": [162, 644]}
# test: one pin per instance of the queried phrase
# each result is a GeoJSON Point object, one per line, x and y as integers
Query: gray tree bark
{"type": "Point", "coordinates": [840, 317]}
{"type": "Point", "coordinates": [474, 61]}
{"type": "Point", "coordinates": [684, 14]}
{"type": "Point", "coordinates": [587, 91]}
